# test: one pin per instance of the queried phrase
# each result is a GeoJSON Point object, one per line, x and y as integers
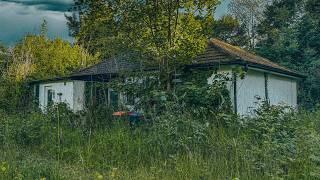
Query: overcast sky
{"type": "Point", "coordinates": [18, 17]}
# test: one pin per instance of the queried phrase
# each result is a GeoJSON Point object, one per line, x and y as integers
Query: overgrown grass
{"type": "Point", "coordinates": [61, 145]}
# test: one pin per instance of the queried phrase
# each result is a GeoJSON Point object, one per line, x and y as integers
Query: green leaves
{"type": "Point", "coordinates": [290, 36]}
{"type": "Point", "coordinates": [38, 57]}
{"type": "Point", "coordinates": [4, 55]}
{"type": "Point", "coordinates": [167, 33]}
{"type": "Point", "coordinates": [229, 29]}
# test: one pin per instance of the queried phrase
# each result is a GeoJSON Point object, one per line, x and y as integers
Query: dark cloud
{"type": "Point", "coordinates": [52, 5]}
{"type": "Point", "coordinates": [17, 20]}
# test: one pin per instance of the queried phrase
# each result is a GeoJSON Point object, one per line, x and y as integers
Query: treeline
{"type": "Point", "coordinates": [290, 35]}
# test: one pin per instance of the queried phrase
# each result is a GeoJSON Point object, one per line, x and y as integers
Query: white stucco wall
{"type": "Point", "coordinates": [248, 90]}
{"type": "Point", "coordinates": [78, 95]}
{"type": "Point", "coordinates": [282, 90]}
{"type": "Point", "coordinates": [72, 94]}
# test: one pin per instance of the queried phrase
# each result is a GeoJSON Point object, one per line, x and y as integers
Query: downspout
{"type": "Point", "coordinates": [235, 92]}
{"type": "Point", "coordinates": [266, 90]}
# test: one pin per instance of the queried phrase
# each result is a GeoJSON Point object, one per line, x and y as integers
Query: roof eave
{"type": "Point", "coordinates": [48, 80]}
{"type": "Point", "coordinates": [249, 64]}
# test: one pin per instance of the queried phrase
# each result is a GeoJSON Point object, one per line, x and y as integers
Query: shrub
{"type": "Point", "coordinates": [196, 95]}
{"type": "Point", "coordinates": [181, 133]}
{"type": "Point", "coordinates": [28, 130]}
{"type": "Point", "coordinates": [62, 114]}
{"type": "Point", "coordinates": [3, 124]}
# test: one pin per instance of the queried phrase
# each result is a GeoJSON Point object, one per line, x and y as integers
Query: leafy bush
{"type": "Point", "coordinates": [197, 94]}
{"type": "Point", "coordinates": [179, 133]}
{"type": "Point", "coordinates": [25, 130]}
{"type": "Point", "coordinates": [99, 117]}
{"type": "Point", "coordinates": [273, 134]}
{"type": "Point", "coordinates": [62, 114]}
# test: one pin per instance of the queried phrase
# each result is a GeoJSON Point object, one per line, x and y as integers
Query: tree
{"type": "Point", "coordinates": [167, 33]}
{"type": "Point", "coordinates": [228, 28]}
{"type": "Point", "coordinates": [37, 57]}
{"type": "Point", "coordinates": [309, 45]}
{"type": "Point", "coordinates": [73, 20]}
{"type": "Point", "coordinates": [44, 28]}
{"type": "Point", "coordinates": [290, 36]}
{"type": "Point", "coordinates": [249, 13]}
{"type": "Point", "coordinates": [278, 31]}
{"type": "Point", "coordinates": [3, 58]}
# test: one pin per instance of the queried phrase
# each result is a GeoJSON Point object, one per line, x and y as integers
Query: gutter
{"type": "Point", "coordinates": [248, 64]}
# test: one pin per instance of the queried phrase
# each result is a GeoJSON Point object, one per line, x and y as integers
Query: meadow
{"type": "Point", "coordinates": [274, 144]}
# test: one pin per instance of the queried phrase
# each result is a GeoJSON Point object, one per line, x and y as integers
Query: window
{"type": "Point", "coordinates": [130, 99]}
{"type": "Point", "coordinates": [51, 97]}
{"type": "Point", "coordinates": [96, 94]}
{"type": "Point", "coordinates": [114, 98]}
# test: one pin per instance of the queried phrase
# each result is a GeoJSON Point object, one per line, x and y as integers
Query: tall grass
{"type": "Point", "coordinates": [174, 146]}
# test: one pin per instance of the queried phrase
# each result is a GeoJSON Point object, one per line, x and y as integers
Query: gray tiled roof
{"type": "Point", "coordinates": [111, 66]}
{"type": "Point", "coordinates": [219, 52]}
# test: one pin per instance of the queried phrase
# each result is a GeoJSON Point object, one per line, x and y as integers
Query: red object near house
{"type": "Point", "coordinates": [120, 113]}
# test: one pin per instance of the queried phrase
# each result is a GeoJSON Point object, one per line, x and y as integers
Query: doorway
{"type": "Point", "coordinates": [49, 96]}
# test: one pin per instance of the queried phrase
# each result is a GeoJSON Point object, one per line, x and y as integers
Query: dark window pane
{"type": "Point", "coordinates": [51, 94]}
{"type": "Point", "coordinates": [114, 98]}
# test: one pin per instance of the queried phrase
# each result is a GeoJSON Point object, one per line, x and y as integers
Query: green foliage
{"type": "Point", "coordinates": [38, 57]}
{"type": "Point", "coordinates": [161, 28]}
{"type": "Point", "coordinates": [273, 132]}
{"type": "Point", "coordinates": [229, 29]}
{"type": "Point", "coordinates": [167, 34]}
{"type": "Point", "coordinates": [276, 143]}
{"type": "Point", "coordinates": [44, 28]}
{"type": "Point", "coordinates": [34, 58]}
{"type": "Point", "coordinates": [179, 134]}
{"type": "Point", "coordinates": [290, 36]}
{"type": "Point", "coordinates": [4, 55]}
{"type": "Point", "coordinates": [195, 93]}
{"type": "Point", "coordinates": [189, 131]}
{"type": "Point", "coordinates": [29, 131]}
{"type": "Point", "coordinates": [62, 113]}
{"type": "Point", "coordinates": [15, 96]}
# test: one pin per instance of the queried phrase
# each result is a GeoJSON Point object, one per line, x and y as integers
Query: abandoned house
{"type": "Point", "coordinates": [263, 78]}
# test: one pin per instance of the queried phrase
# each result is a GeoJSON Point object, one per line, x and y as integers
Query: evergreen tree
{"type": "Point", "coordinates": [290, 36]}
{"type": "Point", "coordinates": [44, 28]}
{"type": "Point", "coordinates": [229, 29]}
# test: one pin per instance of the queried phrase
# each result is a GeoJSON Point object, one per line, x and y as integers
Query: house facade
{"type": "Point", "coordinates": [261, 80]}
{"type": "Point", "coordinates": [70, 92]}
{"type": "Point", "coordinates": [257, 85]}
